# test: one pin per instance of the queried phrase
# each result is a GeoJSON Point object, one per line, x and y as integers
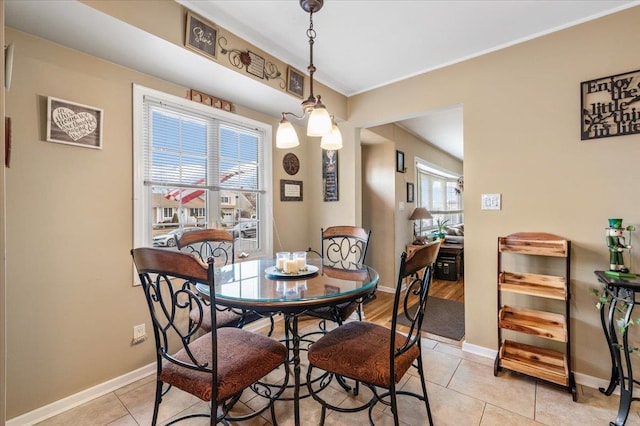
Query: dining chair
{"type": "Point", "coordinates": [342, 248]}
{"type": "Point", "coordinates": [218, 365]}
{"type": "Point", "coordinates": [377, 356]}
{"type": "Point", "coordinates": [217, 245]}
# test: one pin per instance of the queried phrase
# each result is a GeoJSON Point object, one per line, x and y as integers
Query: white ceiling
{"type": "Point", "coordinates": [360, 45]}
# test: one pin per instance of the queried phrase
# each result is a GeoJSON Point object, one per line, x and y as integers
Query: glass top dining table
{"type": "Point", "coordinates": [255, 285]}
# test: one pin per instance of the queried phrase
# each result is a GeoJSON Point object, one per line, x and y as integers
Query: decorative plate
{"type": "Point", "coordinates": [272, 271]}
{"type": "Point", "coordinates": [290, 163]}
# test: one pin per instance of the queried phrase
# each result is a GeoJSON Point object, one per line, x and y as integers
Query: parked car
{"type": "Point", "coordinates": [244, 230]}
{"type": "Point", "coordinates": [170, 239]}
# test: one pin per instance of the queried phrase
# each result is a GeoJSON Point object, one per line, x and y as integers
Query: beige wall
{"type": "Point", "coordinates": [522, 139]}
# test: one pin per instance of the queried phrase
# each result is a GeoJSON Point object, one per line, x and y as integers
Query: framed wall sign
{"type": "Point", "coordinates": [410, 192]}
{"type": "Point", "coordinates": [400, 162]}
{"type": "Point", "coordinates": [295, 82]}
{"type": "Point", "coordinates": [330, 174]}
{"type": "Point", "coordinates": [290, 190]}
{"type": "Point", "coordinates": [608, 106]}
{"type": "Point", "coordinates": [74, 124]}
{"type": "Point", "coordinates": [201, 36]}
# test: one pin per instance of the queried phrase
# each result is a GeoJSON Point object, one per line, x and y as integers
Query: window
{"type": "Point", "coordinates": [437, 192]}
{"type": "Point", "coordinates": [196, 166]}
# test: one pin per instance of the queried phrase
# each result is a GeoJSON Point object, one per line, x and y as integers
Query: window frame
{"type": "Point", "coordinates": [424, 167]}
{"type": "Point", "coordinates": [142, 198]}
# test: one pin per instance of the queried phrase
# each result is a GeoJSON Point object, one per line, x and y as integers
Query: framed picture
{"type": "Point", "coordinates": [330, 174]}
{"type": "Point", "coordinates": [295, 82]}
{"type": "Point", "coordinates": [201, 36]}
{"type": "Point", "coordinates": [74, 124]}
{"type": "Point", "coordinates": [290, 190]}
{"type": "Point", "coordinates": [410, 193]}
{"type": "Point", "coordinates": [400, 162]}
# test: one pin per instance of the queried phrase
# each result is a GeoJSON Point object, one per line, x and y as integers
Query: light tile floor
{"type": "Point", "coordinates": [461, 387]}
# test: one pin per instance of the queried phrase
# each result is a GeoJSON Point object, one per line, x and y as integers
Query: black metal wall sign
{"type": "Point", "coordinates": [611, 106]}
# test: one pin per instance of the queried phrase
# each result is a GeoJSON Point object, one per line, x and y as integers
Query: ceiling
{"type": "Point", "coordinates": [360, 45]}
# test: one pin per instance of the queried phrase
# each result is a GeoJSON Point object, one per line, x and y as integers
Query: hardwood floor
{"type": "Point", "coordinates": [378, 310]}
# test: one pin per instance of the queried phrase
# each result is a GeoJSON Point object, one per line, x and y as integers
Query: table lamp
{"type": "Point", "coordinates": [418, 214]}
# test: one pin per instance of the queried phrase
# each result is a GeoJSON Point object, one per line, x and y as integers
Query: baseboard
{"type": "Point", "coordinates": [81, 397]}
{"type": "Point", "coordinates": [479, 350]}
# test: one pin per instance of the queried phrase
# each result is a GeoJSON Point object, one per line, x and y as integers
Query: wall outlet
{"type": "Point", "coordinates": [139, 333]}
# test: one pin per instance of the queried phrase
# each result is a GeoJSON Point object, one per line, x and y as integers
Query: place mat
{"type": "Point", "coordinates": [441, 317]}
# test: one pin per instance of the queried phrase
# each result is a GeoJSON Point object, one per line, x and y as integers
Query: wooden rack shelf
{"type": "Point", "coordinates": [543, 363]}
{"type": "Point", "coordinates": [534, 285]}
{"type": "Point", "coordinates": [544, 324]}
{"type": "Point", "coordinates": [533, 361]}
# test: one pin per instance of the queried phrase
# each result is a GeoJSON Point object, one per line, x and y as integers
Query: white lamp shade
{"type": "Point", "coordinates": [286, 136]}
{"type": "Point", "coordinates": [319, 122]}
{"type": "Point", "coordinates": [333, 140]}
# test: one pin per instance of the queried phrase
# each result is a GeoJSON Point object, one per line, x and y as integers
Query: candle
{"type": "Point", "coordinates": [281, 259]}
{"type": "Point", "coordinates": [301, 260]}
{"type": "Point", "coordinates": [290, 267]}
{"type": "Point", "coordinates": [301, 264]}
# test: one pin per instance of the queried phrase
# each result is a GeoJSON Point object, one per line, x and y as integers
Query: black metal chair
{"type": "Point", "coordinates": [342, 248]}
{"type": "Point", "coordinates": [216, 245]}
{"type": "Point", "coordinates": [377, 356]}
{"type": "Point", "coordinates": [215, 367]}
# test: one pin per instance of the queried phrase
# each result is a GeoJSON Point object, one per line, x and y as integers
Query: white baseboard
{"type": "Point", "coordinates": [479, 350]}
{"type": "Point", "coordinates": [81, 397]}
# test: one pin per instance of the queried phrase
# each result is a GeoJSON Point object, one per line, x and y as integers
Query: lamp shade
{"type": "Point", "coordinates": [286, 136]}
{"type": "Point", "coordinates": [333, 140]}
{"type": "Point", "coordinates": [420, 213]}
{"type": "Point", "coordinates": [319, 121]}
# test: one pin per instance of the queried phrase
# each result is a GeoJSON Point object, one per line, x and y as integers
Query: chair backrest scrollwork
{"type": "Point", "coordinates": [344, 247]}
{"type": "Point", "coordinates": [216, 244]}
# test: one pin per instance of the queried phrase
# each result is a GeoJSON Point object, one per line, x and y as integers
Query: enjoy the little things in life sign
{"type": "Point", "coordinates": [74, 124]}
{"type": "Point", "coordinates": [610, 106]}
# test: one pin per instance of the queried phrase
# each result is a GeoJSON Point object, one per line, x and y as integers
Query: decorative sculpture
{"type": "Point", "coordinates": [617, 244]}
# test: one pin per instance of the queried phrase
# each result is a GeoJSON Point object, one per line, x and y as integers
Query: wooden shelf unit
{"type": "Point", "coordinates": [545, 364]}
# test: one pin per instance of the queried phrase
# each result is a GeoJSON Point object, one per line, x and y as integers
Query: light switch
{"type": "Point", "coordinates": [401, 206]}
{"type": "Point", "coordinates": [491, 202]}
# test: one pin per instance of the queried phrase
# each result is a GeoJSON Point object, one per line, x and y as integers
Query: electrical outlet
{"type": "Point", "coordinates": [139, 333]}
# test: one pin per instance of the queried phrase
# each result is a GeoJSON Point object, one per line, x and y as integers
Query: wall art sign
{"type": "Point", "coordinates": [610, 106]}
{"type": "Point", "coordinates": [256, 64]}
{"type": "Point", "coordinates": [200, 36]}
{"type": "Point", "coordinates": [74, 124]}
{"type": "Point", "coordinates": [290, 190]}
{"type": "Point", "coordinates": [330, 174]}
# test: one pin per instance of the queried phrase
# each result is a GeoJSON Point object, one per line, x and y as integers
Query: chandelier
{"type": "Point", "coordinates": [320, 122]}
